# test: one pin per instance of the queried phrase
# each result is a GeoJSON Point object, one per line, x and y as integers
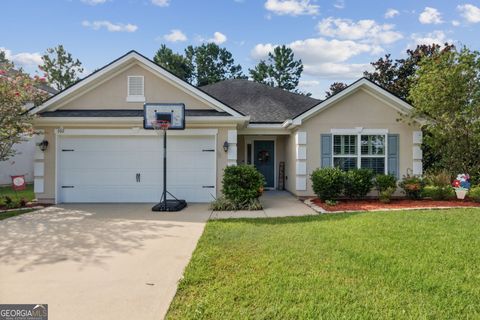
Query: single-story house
{"type": "Point", "coordinates": [98, 150]}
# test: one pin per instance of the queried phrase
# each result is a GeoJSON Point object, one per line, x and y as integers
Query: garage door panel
{"type": "Point", "coordinates": [84, 160]}
{"type": "Point", "coordinates": [109, 177]}
{"type": "Point", "coordinates": [104, 169]}
{"type": "Point", "coordinates": [92, 193]}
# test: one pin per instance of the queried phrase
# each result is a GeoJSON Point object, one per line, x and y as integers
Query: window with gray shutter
{"type": "Point", "coordinates": [393, 155]}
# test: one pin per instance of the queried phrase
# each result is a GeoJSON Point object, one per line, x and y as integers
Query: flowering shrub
{"type": "Point", "coordinates": [412, 186]}
{"type": "Point", "coordinates": [462, 182]}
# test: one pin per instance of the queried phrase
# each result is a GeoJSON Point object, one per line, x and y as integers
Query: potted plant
{"type": "Point", "coordinates": [461, 185]}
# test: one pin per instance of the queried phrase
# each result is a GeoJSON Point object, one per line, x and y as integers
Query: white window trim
{"type": "Point", "coordinates": [359, 132]}
{"type": "Point", "coordinates": [135, 98]}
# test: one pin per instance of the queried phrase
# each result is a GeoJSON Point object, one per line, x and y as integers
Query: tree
{"type": "Point", "coordinates": [174, 62]}
{"type": "Point", "coordinates": [16, 90]}
{"type": "Point", "coordinates": [61, 69]}
{"type": "Point", "coordinates": [335, 88]}
{"type": "Point", "coordinates": [212, 64]}
{"type": "Point", "coordinates": [280, 70]}
{"type": "Point", "coordinates": [397, 75]}
{"type": "Point", "coordinates": [446, 93]}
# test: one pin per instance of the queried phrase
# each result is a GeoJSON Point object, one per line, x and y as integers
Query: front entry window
{"type": "Point", "coordinates": [360, 151]}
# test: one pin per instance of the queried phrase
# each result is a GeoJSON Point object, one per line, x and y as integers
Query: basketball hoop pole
{"type": "Point", "coordinates": [172, 204]}
{"type": "Point", "coordinates": [164, 196]}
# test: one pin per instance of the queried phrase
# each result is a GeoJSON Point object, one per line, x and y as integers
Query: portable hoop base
{"type": "Point", "coordinates": [170, 206]}
{"type": "Point", "coordinates": [166, 205]}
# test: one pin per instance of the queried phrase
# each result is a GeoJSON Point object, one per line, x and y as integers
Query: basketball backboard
{"type": "Point", "coordinates": [173, 112]}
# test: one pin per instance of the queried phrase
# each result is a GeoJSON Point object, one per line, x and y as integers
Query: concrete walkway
{"type": "Point", "coordinates": [102, 261]}
{"type": "Point", "coordinates": [275, 204]}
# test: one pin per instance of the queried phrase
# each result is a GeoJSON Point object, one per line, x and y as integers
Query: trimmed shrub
{"type": "Point", "coordinates": [438, 192]}
{"type": "Point", "coordinates": [241, 184]}
{"type": "Point", "coordinates": [412, 186]}
{"type": "Point", "coordinates": [474, 193]}
{"type": "Point", "coordinates": [327, 183]}
{"type": "Point", "coordinates": [357, 183]}
{"type": "Point", "coordinates": [385, 196]}
{"type": "Point", "coordinates": [386, 185]}
{"type": "Point", "coordinates": [384, 182]}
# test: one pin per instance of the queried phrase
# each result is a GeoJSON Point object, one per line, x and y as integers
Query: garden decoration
{"type": "Point", "coordinates": [461, 185]}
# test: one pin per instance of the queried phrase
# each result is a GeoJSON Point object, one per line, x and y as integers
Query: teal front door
{"type": "Point", "coordinates": [264, 160]}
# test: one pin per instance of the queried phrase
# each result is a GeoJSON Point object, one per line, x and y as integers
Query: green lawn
{"type": "Point", "coordinates": [394, 265]}
{"type": "Point", "coordinates": [7, 191]}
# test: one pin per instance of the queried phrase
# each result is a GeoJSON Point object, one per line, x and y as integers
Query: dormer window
{"type": "Point", "coordinates": [136, 89]}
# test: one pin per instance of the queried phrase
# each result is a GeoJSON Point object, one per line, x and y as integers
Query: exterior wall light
{"type": "Point", "coordinates": [225, 146]}
{"type": "Point", "coordinates": [43, 145]}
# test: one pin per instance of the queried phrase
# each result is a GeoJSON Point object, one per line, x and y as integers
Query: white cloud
{"type": "Point", "coordinates": [430, 16]}
{"type": "Point", "coordinates": [218, 38]}
{"type": "Point", "coordinates": [292, 7]}
{"type": "Point", "coordinates": [112, 27]}
{"type": "Point", "coordinates": [437, 37]}
{"type": "Point", "coordinates": [365, 30]}
{"type": "Point", "coordinates": [175, 35]}
{"type": "Point", "coordinates": [161, 3]}
{"type": "Point", "coordinates": [391, 13]}
{"type": "Point", "coordinates": [455, 23]}
{"type": "Point", "coordinates": [337, 71]}
{"type": "Point", "coordinates": [469, 12]}
{"type": "Point", "coordinates": [23, 59]}
{"type": "Point", "coordinates": [94, 2]}
{"type": "Point", "coordinates": [340, 4]}
{"type": "Point", "coordinates": [322, 57]}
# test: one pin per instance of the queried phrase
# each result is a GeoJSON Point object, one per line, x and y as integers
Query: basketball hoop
{"type": "Point", "coordinates": [160, 124]}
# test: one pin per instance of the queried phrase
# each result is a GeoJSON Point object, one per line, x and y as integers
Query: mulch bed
{"type": "Point", "coordinates": [29, 205]}
{"type": "Point", "coordinates": [367, 205]}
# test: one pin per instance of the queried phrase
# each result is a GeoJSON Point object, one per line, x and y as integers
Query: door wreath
{"type": "Point", "coordinates": [263, 156]}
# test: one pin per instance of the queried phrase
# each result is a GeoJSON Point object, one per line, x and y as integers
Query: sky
{"type": "Point", "coordinates": [336, 39]}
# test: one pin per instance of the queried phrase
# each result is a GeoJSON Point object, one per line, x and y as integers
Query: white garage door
{"type": "Point", "coordinates": [130, 168]}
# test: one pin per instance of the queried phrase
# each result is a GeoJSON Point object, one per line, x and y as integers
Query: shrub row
{"type": "Point", "coordinates": [332, 183]}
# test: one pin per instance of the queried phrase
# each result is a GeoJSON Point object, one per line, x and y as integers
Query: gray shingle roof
{"type": "Point", "coordinates": [124, 113]}
{"type": "Point", "coordinates": [261, 102]}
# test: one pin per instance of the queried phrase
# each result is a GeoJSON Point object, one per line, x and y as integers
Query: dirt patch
{"type": "Point", "coordinates": [368, 205]}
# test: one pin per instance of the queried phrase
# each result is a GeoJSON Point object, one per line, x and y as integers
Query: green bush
{"type": "Point", "coordinates": [357, 183]}
{"type": "Point", "coordinates": [386, 185]}
{"type": "Point", "coordinates": [327, 183]}
{"type": "Point", "coordinates": [384, 182]}
{"type": "Point", "coordinates": [223, 204]}
{"type": "Point", "coordinates": [438, 179]}
{"type": "Point", "coordinates": [412, 186]}
{"type": "Point", "coordinates": [385, 195]}
{"type": "Point", "coordinates": [474, 193]}
{"type": "Point", "coordinates": [241, 184]}
{"type": "Point", "coordinates": [438, 192]}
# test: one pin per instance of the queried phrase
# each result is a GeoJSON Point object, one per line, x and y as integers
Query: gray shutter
{"type": "Point", "coordinates": [393, 155]}
{"type": "Point", "coordinates": [326, 150]}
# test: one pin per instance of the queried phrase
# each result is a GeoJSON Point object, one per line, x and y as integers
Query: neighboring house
{"type": "Point", "coordinates": [22, 162]}
{"type": "Point", "coordinates": [98, 148]}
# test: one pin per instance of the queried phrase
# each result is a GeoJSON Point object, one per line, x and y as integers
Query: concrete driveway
{"type": "Point", "coordinates": [102, 261]}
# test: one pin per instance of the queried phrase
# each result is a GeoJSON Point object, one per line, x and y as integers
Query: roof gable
{"type": "Point", "coordinates": [117, 66]}
{"type": "Point", "coordinates": [364, 84]}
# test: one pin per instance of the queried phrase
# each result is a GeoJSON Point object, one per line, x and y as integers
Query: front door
{"type": "Point", "coordinates": [264, 160]}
